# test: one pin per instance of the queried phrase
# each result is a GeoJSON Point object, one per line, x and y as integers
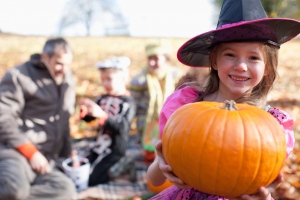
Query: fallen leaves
{"type": "Point", "coordinates": [289, 189]}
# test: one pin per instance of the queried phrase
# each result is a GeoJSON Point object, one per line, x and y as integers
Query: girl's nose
{"type": "Point", "coordinates": [241, 65]}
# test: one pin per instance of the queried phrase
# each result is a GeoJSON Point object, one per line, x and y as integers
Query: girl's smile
{"type": "Point", "coordinates": [238, 78]}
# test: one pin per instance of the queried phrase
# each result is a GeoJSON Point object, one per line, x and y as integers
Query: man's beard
{"type": "Point", "coordinates": [59, 80]}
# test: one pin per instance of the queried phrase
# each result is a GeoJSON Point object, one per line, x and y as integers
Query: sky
{"type": "Point", "coordinates": [146, 18]}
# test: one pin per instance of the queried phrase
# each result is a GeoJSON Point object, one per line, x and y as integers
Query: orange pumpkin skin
{"type": "Point", "coordinates": [158, 189]}
{"type": "Point", "coordinates": [224, 152]}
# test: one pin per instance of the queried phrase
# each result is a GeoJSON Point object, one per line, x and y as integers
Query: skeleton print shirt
{"type": "Point", "coordinates": [113, 135]}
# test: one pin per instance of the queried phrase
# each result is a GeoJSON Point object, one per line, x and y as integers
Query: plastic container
{"type": "Point", "coordinates": [80, 174]}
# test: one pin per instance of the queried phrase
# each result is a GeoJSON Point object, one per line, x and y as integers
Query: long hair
{"type": "Point", "coordinates": [259, 93]}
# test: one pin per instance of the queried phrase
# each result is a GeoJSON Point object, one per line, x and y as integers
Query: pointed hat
{"type": "Point", "coordinates": [239, 21]}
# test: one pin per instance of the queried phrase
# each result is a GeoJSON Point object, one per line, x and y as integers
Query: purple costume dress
{"type": "Point", "coordinates": [188, 95]}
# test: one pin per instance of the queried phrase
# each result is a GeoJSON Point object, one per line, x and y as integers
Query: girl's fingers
{"type": "Point", "coordinates": [263, 194]}
{"type": "Point", "coordinates": [165, 168]}
{"type": "Point", "coordinates": [173, 179]}
{"type": "Point", "coordinates": [158, 147]}
{"type": "Point", "coordinates": [278, 180]}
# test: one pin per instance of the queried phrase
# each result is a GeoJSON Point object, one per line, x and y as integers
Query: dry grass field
{"type": "Point", "coordinates": [16, 49]}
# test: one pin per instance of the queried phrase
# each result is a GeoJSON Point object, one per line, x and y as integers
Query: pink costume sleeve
{"type": "Point", "coordinates": [189, 94]}
{"type": "Point", "coordinates": [287, 124]}
{"type": "Point", "coordinates": [173, 102]}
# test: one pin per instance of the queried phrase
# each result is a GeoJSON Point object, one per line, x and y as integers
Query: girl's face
{"type": "Point", "coordinates": [113, 81]}
{"type": "Point", "coordinates": [240, 66]}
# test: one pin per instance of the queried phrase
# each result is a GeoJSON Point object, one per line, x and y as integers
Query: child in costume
{"type": "Point", "coordinates": [242, 54]}
{"type": "Point", "coordinates": [114, 111]}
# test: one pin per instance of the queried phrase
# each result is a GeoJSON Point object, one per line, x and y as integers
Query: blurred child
{"type": "Point", "coordinates": [114, 112]}
{"type": "Point", "coordinates": [150, 88]}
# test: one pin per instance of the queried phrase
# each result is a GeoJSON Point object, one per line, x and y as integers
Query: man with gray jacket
{"type": "Point", "coordinates": [36, 100]}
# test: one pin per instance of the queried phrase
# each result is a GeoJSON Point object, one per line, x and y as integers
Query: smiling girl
{"type": "Point", "coordinates": [242, 54]}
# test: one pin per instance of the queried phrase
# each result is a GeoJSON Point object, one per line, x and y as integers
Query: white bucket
{"type": "Point", "coordinates": [79, 175]}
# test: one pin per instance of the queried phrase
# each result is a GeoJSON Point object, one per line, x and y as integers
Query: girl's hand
{"type": "Point", "coordinates": [167, 169]}
{"type": "Point", "coordinates": [263, 193]}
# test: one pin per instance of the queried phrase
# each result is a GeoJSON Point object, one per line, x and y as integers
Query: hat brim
{"type": "Point", "coordinates": [275, 31]}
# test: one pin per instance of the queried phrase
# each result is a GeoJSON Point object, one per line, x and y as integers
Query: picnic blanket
{"type": "Point", "coordinates": [118, 189]}
{"type": "Point", "coordinates": [122, 188]}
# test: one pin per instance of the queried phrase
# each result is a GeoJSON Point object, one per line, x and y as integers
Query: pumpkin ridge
{"type": "Point", "coordinates": [207, 109]}
{"type": "Point", "coordinates": [242, 165]}
{"type": "Point", "coordinates": [269, 180]}
{"type": "Point", "coordinates": [185, 142]}
{"type": "Point", "coordinates": [203, 147]}
{"type": "Point", "coordinates": [248, 114]}
{"type": "Point", "coordinates": [241, 159]}
{"type": "Point", "coordinates": [223, 139]}
{"type": "Point", "coordinates": [261, 134]}
{"type": "Point", "coordinates": [169, 138]}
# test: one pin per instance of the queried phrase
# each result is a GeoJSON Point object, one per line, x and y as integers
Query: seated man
{"type": "Point", "coordinates": [36, 100]}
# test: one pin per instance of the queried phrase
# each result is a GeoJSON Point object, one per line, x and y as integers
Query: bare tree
{"type": "Point", "coordinates": [90, 12]}
{"type": "Point", "coordinates": [113, 17]}
{"type": "Point", "coordinates": [78, 11]}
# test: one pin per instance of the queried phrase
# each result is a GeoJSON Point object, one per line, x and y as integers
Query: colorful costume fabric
{"type": "Point", "coordinates": [188, 95]}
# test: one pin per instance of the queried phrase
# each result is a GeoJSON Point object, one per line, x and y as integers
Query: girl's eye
{"type": "Point", "coordinates": [254, 58]}
{"type": "Point", "coordinates": [229, 55]}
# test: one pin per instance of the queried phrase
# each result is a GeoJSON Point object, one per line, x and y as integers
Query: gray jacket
{"type": "Point", "coordinates": [33, 108]}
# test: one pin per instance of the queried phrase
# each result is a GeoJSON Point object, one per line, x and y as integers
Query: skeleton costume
{"type": "Point", "coordinates": [111, 142]}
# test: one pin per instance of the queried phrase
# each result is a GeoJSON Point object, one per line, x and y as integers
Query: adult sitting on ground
{"type": "Point", "coordinates": [36, 100]}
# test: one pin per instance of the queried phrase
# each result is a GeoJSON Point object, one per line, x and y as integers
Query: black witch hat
{"type": "Point", "coordinates": [239, 21]}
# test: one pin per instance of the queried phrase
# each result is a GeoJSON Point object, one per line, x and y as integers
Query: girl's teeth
{"type": "Point", "coordinates": [239, 79]}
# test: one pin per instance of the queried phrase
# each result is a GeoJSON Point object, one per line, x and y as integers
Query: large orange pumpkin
{"type": "Point", "coordinates": [158, 189]}
{"type": "Point", "coordinates": [224, 149]}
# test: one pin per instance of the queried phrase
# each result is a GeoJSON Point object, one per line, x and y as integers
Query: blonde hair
{"type": "Point", "coordinates": [259, 93]}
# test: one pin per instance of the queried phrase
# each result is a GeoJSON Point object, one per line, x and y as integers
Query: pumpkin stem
{"type": "Point", "coordinates": [229, 105]}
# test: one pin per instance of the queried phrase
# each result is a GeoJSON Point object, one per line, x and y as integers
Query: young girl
{"type": "Point", "coordinates": [243, 55]}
